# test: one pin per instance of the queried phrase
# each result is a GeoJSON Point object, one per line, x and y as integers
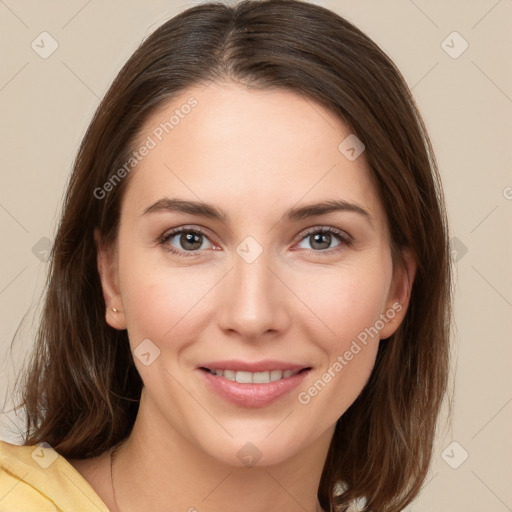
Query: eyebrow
{"type": "Point", "coordinates": [210, 211]}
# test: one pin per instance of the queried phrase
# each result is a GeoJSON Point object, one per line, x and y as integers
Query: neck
{"type": "Point", "coordinates": [153, 470]}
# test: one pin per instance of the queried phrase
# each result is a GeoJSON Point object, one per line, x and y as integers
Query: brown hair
{"type": "Point", "coordinates": [81, 391]}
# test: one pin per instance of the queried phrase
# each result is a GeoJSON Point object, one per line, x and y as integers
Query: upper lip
{"type": "Point", "coordinates": [255, 366]}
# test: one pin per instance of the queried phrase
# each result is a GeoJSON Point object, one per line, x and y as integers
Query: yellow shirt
{"type": "Point", "coordinates": [38, 479]}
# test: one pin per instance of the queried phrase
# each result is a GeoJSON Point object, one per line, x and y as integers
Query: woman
{"type": "Point", "coordinates": [248, 303]}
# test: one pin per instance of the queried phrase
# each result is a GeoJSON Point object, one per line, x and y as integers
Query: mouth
{"type": "Point", "coordinates": [266, 383]}
{"type": "Point", "coordinates": [246, 377]}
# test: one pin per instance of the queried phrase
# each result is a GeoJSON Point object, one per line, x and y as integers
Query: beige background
{"type": "Point", "coordinates": [46, 105]}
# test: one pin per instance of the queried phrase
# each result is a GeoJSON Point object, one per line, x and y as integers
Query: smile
{"type": "Point", "coordinates": [245, 377]}
{"type": "Point", "coordinates": [252, 389]}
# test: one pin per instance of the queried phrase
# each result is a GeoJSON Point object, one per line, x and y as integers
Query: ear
{"type": "Point", "coordinates": [399, 294]}
{"type": "Point", "coordinates": [108, 271]}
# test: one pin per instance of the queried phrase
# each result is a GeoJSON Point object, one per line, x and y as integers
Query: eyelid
{"type": "Point", "coordinates": [171, 233]}
{"type": "Point", "coordinates": [344, 238]}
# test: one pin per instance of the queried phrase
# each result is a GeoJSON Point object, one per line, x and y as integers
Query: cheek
{"type": "Point", "coordinates": [346, 300]}
{"type": "Point", "coordinates": [160, 301]}
{"type": "Point", "coordinates": [349, 303]}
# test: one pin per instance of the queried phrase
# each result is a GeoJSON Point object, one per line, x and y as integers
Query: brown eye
{"type": "Point", "coordinates": [322, 239]}
{"type": "Point", "coordinates": [190, 241]}
{"type": "Point", "coordinates": [183, 240]}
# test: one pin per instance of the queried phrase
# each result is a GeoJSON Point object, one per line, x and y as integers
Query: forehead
{"type": "Point", "coordinates": [254, 149]}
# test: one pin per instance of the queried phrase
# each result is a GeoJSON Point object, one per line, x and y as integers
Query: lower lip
{"type": "Point", "coordinates": [253, 395]}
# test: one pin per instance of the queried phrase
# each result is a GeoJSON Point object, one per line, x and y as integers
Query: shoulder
{"type": "Point", "coordinates": [38, 478]}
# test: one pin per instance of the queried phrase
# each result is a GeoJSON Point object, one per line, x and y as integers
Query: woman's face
{"type": "Point", "coordinates": [261, 285]}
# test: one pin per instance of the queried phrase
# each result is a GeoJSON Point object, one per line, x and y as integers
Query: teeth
{"type": "Point", "coordinates": [244, 377]}
{"type": "Point", "coordinates": [276, 375]}
{"type": "Point", "coordinates": [261, 377]}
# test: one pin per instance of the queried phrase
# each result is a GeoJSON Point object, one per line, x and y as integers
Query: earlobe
{"type": "Point", "coordinates": [400, 293]}
{"type": "Point", "coordinates": [115, 318]}
{"type": "Point", "coordinates": [107, 269]}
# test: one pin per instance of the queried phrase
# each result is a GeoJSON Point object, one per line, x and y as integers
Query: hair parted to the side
{"type": "Point", "coordinates": [81, 390]}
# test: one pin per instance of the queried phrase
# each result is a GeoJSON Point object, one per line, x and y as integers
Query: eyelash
{"type": "Point", "coordinates": [344, 239]}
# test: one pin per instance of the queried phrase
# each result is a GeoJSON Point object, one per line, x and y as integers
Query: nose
{"type": "Point", "coordinates": [254, 301]}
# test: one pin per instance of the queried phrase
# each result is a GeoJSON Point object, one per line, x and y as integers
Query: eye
{"type": "Point", "coordinates": [188, 241]}
{"type": "Point", "coordinates": [322, 238]}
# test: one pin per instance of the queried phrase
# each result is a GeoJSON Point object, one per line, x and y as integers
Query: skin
{"type": "Point", "coordinates": [255, 154]}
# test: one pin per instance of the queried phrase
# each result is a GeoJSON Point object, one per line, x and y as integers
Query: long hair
{"type": "Point", "coordinates": [81, 390]}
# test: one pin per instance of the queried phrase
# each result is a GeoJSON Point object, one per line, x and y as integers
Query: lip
{"type": "Point", "coordinates": [253, 395]}
{"type": "Point", "coordinates": [256, 366]}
